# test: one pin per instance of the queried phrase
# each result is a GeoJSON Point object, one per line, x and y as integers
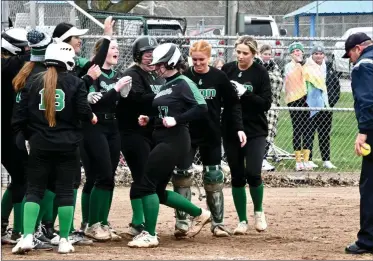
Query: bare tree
{"type": "Point", "coordinates": [105, 5]}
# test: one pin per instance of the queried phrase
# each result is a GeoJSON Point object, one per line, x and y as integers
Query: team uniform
{"type": "Point", "coordinates": [53, 150]}
{"type": "Point", "coordinates": [206, 136]}
{"type": "Point", "coordinates": [246, 163]}
{"type": "Point", "coordinates": [136, 141]}
{"type": "Point", "coordinates": [13, 158]}
{"type": "Point", "coordinates": [102, 145]}
{"type": "Point", "coordinates": [178, 98]}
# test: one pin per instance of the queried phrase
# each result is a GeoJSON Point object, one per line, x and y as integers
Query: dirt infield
{"type": "Point", "coordinates": [304, 223]}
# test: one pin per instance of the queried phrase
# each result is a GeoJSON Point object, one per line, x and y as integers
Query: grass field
{"type": "Point", "coordinates": [344, 130]}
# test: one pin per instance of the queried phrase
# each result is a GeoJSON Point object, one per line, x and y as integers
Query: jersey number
{"type": "Point", "coordinates": [60, 100]}
{"type": "Point", "coordinates": [163, 111]}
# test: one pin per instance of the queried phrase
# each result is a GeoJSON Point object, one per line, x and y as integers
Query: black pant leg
{"type": "Point", "coordinates": [40, 167]}
{"type": "Point", "coordinates": [254, 151]}
{"type": "Point", "coordinates": [235, 160]}
{"type": "Point", "coordinates": [324, 131]}
{"type": "Point", "coordinates": [113, 139]}
{"type": "Point", "coordinates": [365, 234]}
{"type": "Point", "coordinates": [136, 149]}
{"type": "Point", "coordinates": [68, 164]}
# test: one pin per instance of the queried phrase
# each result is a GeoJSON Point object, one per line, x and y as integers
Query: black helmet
{"type": "Point", "coordinates": [14, 41]}
{"type": "Point", "coordinates": [142, 44]}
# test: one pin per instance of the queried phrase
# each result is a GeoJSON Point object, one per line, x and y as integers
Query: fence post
{"type": "Point", "coordinates": [33, 14]}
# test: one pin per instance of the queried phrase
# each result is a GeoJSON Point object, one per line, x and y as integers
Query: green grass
{"type": "Point", "coordinates": [344, 130]}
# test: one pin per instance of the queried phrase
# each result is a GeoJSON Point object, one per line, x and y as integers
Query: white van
{"type": "Point", "coordinates": [262, 25]}
{"type": "Point", "coordinates": [341, 64]}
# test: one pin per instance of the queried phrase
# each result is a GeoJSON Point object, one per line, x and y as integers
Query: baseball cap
{"type": "Point", "coordinates": [65, 30]}
{"type": "Point", "coordinates": [353, 40]}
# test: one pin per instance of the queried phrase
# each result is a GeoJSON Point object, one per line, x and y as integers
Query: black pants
{"type": "Point", "coordinates": [365, 235]}
{"type": "Point", "coordinates": [15, 162]}
{"type": "Point", "coordinates": [301, 125]}
{"type": "Point", "coordinates": [322, 123]}
{"type": "Point", "coordinates": [60, 166]}
{"type": "Point", "coordinates": [245, 163]}
{"type": "Point", "coordinates": [210, 154]}
{"type": "Point", "coordinates": [171, 145]}
{"type": "Point", "coordinates": [102, 145]}
{"type": "Point", "coordinates": [136, 149]}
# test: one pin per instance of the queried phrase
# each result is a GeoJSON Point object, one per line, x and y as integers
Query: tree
{"type": "Point", "coordinates": [123, 6]}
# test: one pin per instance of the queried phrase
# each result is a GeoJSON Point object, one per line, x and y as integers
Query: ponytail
{"type": "Point", "coordinates": [20, 80]}
{"type": "Point", "coordinates": [50, 84]}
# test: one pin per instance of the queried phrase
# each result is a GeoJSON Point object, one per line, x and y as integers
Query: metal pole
{"type": "Point", "coordinates": [226, 17]}
{"type": "Point", "coordinates": [33, 14]}
{"type": "Point", "coordinates": [317, 18]}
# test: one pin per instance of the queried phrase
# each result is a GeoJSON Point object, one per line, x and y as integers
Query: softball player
{"type": "Point", "coordinates": [84, 68]}
{"type": "Point", "coordinates": [253, 85]}
{"type": "Point", "coordinates": [136, 140]}
{"type": "Point", "coordinates": [50, 109]}
{"type": "Point", "coordinates": [205, 134]}
{"type": "Point", "coordinates": [102, 144]}
{"type": "Point", "coordinates": [178, 102]}
{"type": "Point", "coordinates": [14, 53]}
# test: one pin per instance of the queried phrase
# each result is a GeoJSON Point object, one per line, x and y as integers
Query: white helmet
{"type": "Point", "coordinates": [167, 53]}
{"type": "Point", "coordinates": [14, 40]}
{"type": "Point", "coordinates": [61, 55]}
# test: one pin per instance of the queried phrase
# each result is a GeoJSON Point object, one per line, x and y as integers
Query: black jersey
{"type": "Point", "coordinates": [71, 107]}
{"type": "Point", "coordinates": [110, 97]}
{"type": "Point", "coordinates": [9, 69]}
{"type": "Point", "coordinates": [218, 92]}
{"type": "Point", "coordinates": [256, 101]}
{"type": "Point", "coordinates": [179, 98]}
{"type": "Point", "coordinates": [145, 85]}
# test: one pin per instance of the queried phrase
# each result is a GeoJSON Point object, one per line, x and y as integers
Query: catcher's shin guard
{"type": "Point", "coordinates": [182, 181]}
{"type": "Point", "coordinates": [213, 180]}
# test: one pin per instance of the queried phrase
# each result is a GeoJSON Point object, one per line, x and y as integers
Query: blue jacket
{"type": "Point", "coordinates": [362, 90]}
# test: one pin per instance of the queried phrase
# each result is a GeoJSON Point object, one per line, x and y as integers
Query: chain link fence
{"type": "Point", "coordinates": [340, 119]}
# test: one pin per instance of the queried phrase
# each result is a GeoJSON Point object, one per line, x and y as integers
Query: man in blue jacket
{"type": "Point", "coordinates": [359, 48]}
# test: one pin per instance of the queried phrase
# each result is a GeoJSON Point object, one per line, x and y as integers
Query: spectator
{"type": "Point", "coordinates": [322, 120]}
{"type": "Point", "coordinates": [295, 96]}
{"type": "Point", "coordinates": [218, 63]}
{"type": "Point", "coordinates": [276, 86]}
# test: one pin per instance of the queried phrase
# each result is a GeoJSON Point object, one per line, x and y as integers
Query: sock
{"type": "Point", "coordinates": [104, 212]}
{"type": "Point", "coordinates": [65, 218]}
{"type": "Point", "coordinates": [240, 201]}
{"type": "Point", "coordinates": [55, 211]}
{"type": "Point", "coordinates": [97, 202]}
{"type": "Point", "coordinates": [6, 205]}
{"type": "Point", "coordinates": [18, 219]}
{"type": "Point", "coordinates": [257, 197]}
{"type": "Point", "coordinates": [85, 206]}
{"type": "Point", "coordinates": [46, 205]}
{"type": "Point", "coordinates": [151, 210]}
{"type": "Point", "coordinates": [106, 216]}
{"type": "Point", "coordinates": [72, 229]}
{"type": "Point", "coordinates": [177, 201]}
{"type": "Point", "coordinates": [137, 211]}
{"type": "Point", "coordinates": [30, 215]}
{"type": "Point", "coordinates": [48, 213]}
{"type": "Point", "coordinates": [22, 213]}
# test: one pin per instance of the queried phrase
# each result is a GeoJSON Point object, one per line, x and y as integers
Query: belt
{"type": "Point", "coordinates": [106, 116]}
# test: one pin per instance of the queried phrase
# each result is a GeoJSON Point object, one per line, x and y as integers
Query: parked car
{"type": "Point", "coordinates": [340, 64]}
{"type": "Point", "coordinates": [262, 25]}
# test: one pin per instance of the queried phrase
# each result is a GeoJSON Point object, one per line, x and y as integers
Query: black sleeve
{"type": "Point", "coordinates": [194, 99]}
{"type": "Point", "coordinates": [98, 59]}
{"type": "Point", "coordinates": [231, 102]}
{"type": "Point", "coordinates": [138, 92]}
{"type": "Point", "coordinates": [88, 81]}
{"type": "Point", "coordinates": [263, 98]}
{"type": "Point", "coordinates": [110, 95]}
{"type": "Point", "coordinates": [20, 115]}
{"type": "Point", "coordinates": [82, 108]}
